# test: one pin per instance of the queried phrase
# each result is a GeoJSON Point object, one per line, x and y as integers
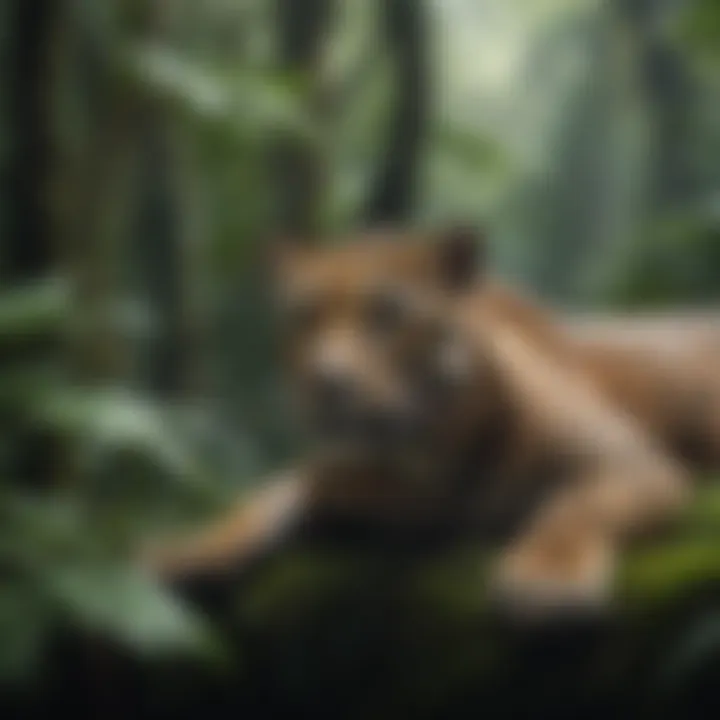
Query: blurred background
{"type": "Point", "coordinates": [148, 150]}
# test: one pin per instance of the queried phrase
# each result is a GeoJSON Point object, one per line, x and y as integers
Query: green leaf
{"type": "Point", "coordinates": [25, 385]}
{"type": "Point", "coordinates": [34, 309]}
{"type": "Point", "coordinates": [247, 104]}
{"type": "Point", "coordinates": [128, 607]}
{"type": "Point", "coordinates": [118, 419]}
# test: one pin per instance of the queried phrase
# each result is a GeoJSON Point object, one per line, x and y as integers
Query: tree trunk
{"type": "Point", "coordinates": [301, 28]}
{"type": "Point", "coordinates": [28, 252]}
{"type": "Point", "coordinates": [393, 194]}
{"type": "Point", "coordinates": [670, 97]}
{"type": "Point", "coordinates": [160, 255]}
{"type": "Point", "coordinates": [27, 249]}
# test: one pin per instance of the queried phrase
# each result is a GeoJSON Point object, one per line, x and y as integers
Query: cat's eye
{"type": "Point", "coordinates": [386, 312]}
{"type": "Point", "coordinates": [301, 315]}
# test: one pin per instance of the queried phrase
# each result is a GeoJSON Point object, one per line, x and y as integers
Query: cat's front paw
{"type": "Point", "coordinates": [540, 578]}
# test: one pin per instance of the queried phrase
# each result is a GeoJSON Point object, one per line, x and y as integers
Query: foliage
{"type": "Point", "coordinates": [403, 632]}
{"type": "Point", "coordinates": [552, 121]}
{"type": "Point", "coordinates": [676, 262]}
{"type": "Point", "coordinates": [65, 553]}
{"type": "Point", "coordinates": [700, 28]}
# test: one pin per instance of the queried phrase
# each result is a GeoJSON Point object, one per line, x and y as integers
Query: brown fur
{"type": "Point", "coordinates": [588, 425]}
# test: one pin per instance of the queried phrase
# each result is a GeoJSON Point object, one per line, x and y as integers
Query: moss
{"type": "Point", "coordinates": [413, 637]}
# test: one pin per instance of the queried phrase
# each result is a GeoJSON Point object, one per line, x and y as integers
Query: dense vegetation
{"type": "Point", "coordinates": [148, 148]}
